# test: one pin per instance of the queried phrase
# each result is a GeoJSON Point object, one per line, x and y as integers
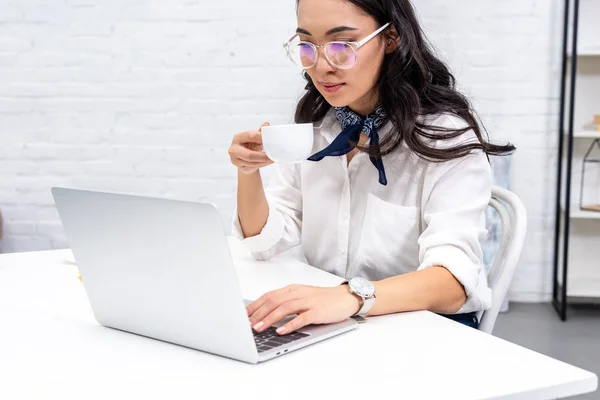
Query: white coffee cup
{"type": "Point", "coordinates": [288, 143]}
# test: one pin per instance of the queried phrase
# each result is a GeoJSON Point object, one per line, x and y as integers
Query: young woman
{"type": "Point", "coordinates": [393, 197]}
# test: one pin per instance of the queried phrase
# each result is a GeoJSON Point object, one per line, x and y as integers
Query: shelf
{"type": "Point", "coordinates": [576, 213]}
{"type": "Point", "coordinates": [581, 267]}
{"type": "Point", "coordinates": [586, 53]}
{"type": "Point", "coordinates": [579, 287]}
{"type": "Point", "coordinates": [586, 134]}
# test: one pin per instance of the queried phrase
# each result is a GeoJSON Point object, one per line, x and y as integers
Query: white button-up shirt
{"type": "Point", "coordinates": [429, 214]}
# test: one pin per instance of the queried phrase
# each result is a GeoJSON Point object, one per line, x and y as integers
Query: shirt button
{"type": "Point", "coordinates": [346, 215]}
{"type": "Point", "coordinates": [343, 251]}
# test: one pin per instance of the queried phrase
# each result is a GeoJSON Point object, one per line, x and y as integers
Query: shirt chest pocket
{"type": "Point", "coordinates": [388, 244]}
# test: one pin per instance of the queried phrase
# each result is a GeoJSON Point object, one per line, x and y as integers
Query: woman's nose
{"type": "Point", "coordinates": [323, 64]}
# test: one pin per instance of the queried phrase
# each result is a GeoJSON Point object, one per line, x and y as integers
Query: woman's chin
{"type": "Point", "coordinates": [336, 101]}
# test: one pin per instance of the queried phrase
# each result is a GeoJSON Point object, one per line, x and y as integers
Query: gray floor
{"type": "Point", "coordinates": [538, 327]}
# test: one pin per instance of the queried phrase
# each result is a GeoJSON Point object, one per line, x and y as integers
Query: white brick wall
{"type": "Point", "coordinates": [143, 97]}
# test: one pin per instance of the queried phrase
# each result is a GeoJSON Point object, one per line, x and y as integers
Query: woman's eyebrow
{"type": "Point", "coordinates": [332, 31]}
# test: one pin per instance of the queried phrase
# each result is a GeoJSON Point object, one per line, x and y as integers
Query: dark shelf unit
{"type": "Point", "coordinates": [565, 161]}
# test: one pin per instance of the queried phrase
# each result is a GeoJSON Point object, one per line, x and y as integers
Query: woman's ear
{"type": "Point", "coordinates": [392, 40]}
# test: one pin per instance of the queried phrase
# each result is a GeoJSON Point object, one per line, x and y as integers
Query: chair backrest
{"type": "Point", "coordinates": [513, 220]}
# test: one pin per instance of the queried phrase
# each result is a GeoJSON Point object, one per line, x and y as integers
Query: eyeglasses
{"type": "Point", "coordinates": [340, 54]}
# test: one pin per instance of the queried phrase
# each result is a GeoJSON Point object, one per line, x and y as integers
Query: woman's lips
{"type": "Point", "coordinates": [332, 87]}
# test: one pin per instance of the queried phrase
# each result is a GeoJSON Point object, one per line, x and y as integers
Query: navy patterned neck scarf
{"type": "Point", "coordinates": [352, 125]}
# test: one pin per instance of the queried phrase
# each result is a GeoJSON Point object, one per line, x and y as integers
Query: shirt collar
{"type": "Point", "coordinates": [329, 127]}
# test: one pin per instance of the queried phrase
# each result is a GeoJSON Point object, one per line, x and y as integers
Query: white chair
{"type": "Point", "coordinates": [513, 221]}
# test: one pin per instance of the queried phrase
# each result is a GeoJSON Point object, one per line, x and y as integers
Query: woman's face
{"type": "Point", "coordinates": [354, 87]}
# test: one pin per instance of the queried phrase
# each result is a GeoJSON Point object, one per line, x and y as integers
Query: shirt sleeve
{"type": "Point", "coordinates": [456, 194]}
{"type": "Point", "coordinates": [282, 230]}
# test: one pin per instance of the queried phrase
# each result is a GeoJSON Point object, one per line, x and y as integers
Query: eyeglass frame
{"type": "Point", "coordinates": [354, 45]}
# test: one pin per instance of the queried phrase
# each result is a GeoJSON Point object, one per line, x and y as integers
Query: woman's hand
{"type": "Point", "coordinates": [246, 151]}
{"type": "Point", "coordinates": [314, 305]}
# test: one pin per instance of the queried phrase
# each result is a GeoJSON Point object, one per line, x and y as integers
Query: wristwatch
{"type": "Point", "coordinates": [365, 291]}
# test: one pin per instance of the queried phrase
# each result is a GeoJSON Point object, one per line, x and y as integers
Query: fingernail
{"type": "Point", "coordinates": [258, 326]}
{"type": "Point", "coordinates": [281, 330]}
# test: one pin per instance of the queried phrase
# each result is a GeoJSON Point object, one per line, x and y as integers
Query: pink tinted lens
{"type": "Point", "coordinates": [341, 54]}
{"type": "Point", "coordinates": [307, 55]}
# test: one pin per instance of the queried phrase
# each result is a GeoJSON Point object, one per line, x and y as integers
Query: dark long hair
{"type": "Point", "coordinates": [413, 82]}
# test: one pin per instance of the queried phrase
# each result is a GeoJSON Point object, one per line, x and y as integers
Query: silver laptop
{"type": "Point", "coordinates": [163, 269]}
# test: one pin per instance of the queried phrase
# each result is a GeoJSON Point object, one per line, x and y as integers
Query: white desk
{"type": "Point", "coordinates": [51, 347]}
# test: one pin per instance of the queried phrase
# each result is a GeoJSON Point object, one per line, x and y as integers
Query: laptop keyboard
{"type": "Point", "coordinates": [269, 339]}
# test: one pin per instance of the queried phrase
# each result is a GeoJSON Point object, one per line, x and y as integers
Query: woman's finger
{"type": "Point", "coordinates": [249, 155]}
{"type": "Point", "coordinates": [264, 124]}
{"type": "Point", "coordinates": [250, 170]}
{"type": "Point", "coordinates": [284, 310]}
{"type": "Point", "coordinates": [248, 164]}
{"type": "Point", "coordinates": [256, 319]}
{"type": "Point", "coordinates": [268, 302]}
{"type": "Point", "coordinates": [256, 304]}
{"type": "Point", "coordinates": [302, 320]}
{"type": "Point", "coordinates": [248, 137]}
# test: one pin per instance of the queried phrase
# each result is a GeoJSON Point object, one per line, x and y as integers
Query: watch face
{"type": "Point", "coordinates": [362, 287]}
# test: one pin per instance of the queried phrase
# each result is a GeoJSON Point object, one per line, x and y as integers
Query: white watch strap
{"type": "Point", "coordinates": [367, 304]}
